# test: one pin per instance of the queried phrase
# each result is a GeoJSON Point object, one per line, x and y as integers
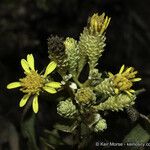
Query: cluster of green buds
{"type": "Point", "coordinates": [86, 100]}
{"type": "Point", "coordinates": [117, 89]}
{"type": "Point", "coordinates": [97, 93]}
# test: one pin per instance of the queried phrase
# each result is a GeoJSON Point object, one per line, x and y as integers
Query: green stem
{"type": "Point", "coordinates": [145, 117]}
{"type": "Point", "coordinates": [77, 82]}
{"type": "Point", "coordinates": [79, 136]}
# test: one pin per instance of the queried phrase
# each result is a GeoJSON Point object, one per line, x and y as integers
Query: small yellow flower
{"type": "Point", "coordinates": [99, 23]}
{"type": "Point", "coordinates": [85, 96]}
{"type": "Point", "coordinates": [123, 81]}
{"type": "Point", "coordinates": [34, 83]}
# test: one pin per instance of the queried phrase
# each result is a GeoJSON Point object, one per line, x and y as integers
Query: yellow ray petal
{"type": "Point", "coordinates": [132, 91]}
{"type": "Point", "coordinates": [108, 22]}
{"type": "Point", "coordinates": [30, 60]}
{"type": "Point", "coordinates": [54, 84]}
{"type": "Point", "coordinates": [104, 26]}
{"type": "Point", "coordinates": [128, 93]}
{"type": "Point", "coordinates": [136, 79]}
{"type": "Point", "coordinates": [122, 69]}
{"type": "Point", "coordinates": [13, 85]}
{"type": "Point", "coordinates": [110, 74]}
{"type": "Point", "coordinates": [35, 104]}
{"type": "Point", "coordinates": [128, 70]}
{"type": "Point", "coordinates": [23, 101]}
{"type": "Point", "coordinates": [51, 66]}
{"type": "Point", "coordinates": [25, 65]}
{"type": "Point", "coordinates": [133, 73]}
{"type": "Point", "coordinates": [49, 90]}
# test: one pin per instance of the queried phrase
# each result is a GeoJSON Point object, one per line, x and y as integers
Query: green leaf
{"type": "Point", "coordinates": [66, 128]}
{"type": "Point", "coordinates": [138, 135]}
{"type": "Point", "coordinates": [53, 137]}
{"type": "Point", "coordinates": [28, 130]}
{"type": "Point", "coordinates": [46, 145]}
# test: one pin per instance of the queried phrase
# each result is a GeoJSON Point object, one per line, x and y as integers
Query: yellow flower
{"type": "Point", "coordinates": [123, 81]}
{"type": "Point", "coordinates": [34, 83]}
{"type": "Point", "coordinates": [98, 23]}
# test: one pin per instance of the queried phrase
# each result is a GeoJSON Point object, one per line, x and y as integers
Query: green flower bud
{"type": "Point", "coordinates": [66, 109]}
{"type": "Point", "coordinates": [106, 87]}
{"type": "Point", "coordinates": [117, 102]}
{"type": "Point", "coordinates": [85, 96]}
{"type": "Point", "coordinates": [72, 52]}
{"type": "Point", "coordinates": [92, 40]}
{"type": "Point", "coordinates": [100, 125]}
{"type": "Point", "coordinates": [92, 46]}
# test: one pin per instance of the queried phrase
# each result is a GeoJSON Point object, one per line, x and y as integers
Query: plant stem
{"type": "Point", "coordinates": [145, 117]}
{"type": "Point", "coordinates": [77, 82]}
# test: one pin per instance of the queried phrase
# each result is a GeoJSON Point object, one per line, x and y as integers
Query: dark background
{"type": "Point", "coordinates": [25, 26]}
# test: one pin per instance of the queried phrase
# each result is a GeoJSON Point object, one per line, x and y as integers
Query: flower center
{"type": "Point", "coordinates": [32, 83]}
{"type": "Point", "coordinates": [85, 95]}
{"type": "Point", "coordinates": [122, 83]}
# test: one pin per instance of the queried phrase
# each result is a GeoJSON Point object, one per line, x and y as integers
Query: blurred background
{"type": "Point", "coordinates": [25, 26]}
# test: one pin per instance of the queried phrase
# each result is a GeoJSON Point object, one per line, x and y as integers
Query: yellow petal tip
{"type": "Point", "coordinates": [51, 66]}
{"type": "Point", "coordinates": [13, 85]}
{"type": "Point", "coordinates": [35, 104]}
{"type": "Point", "coordinates": [122, 69]}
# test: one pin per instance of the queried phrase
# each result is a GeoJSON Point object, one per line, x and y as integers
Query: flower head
{"type": "Point", "coordinates": [85, 96]}
{"type": "Point", "coordinates": [92, 41]}
{"type": "Point", "coordinates": [123, 81]}
{"type": "Point", "coordinates": [98, 23]}
{"type": "Point", "coordinates": [34, 83]}
{"type": "Point", "coordinates": [66, 108]}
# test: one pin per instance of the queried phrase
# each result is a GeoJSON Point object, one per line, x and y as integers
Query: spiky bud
{"type": "Point", "coordinates": [92, 46]}
{"type": "Point", "coordinates": [66, 108]}
{"type": "Point", "coordinates": [92, 40]}
{"type": "Point", "coordinates": [132, 113]}
{"type": "Point", "coordinates": [85, 96]}
{"type": "Point", "coordinates": [101, 125]}
{"type": "Point", "coordinates": [72, 52]}
{"type": "Point", "coordinates": [56, 50]}
{"type": "Point", "coordinates": [117, 102]}
{"type": "Point", "coordinates": [106, 87]}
